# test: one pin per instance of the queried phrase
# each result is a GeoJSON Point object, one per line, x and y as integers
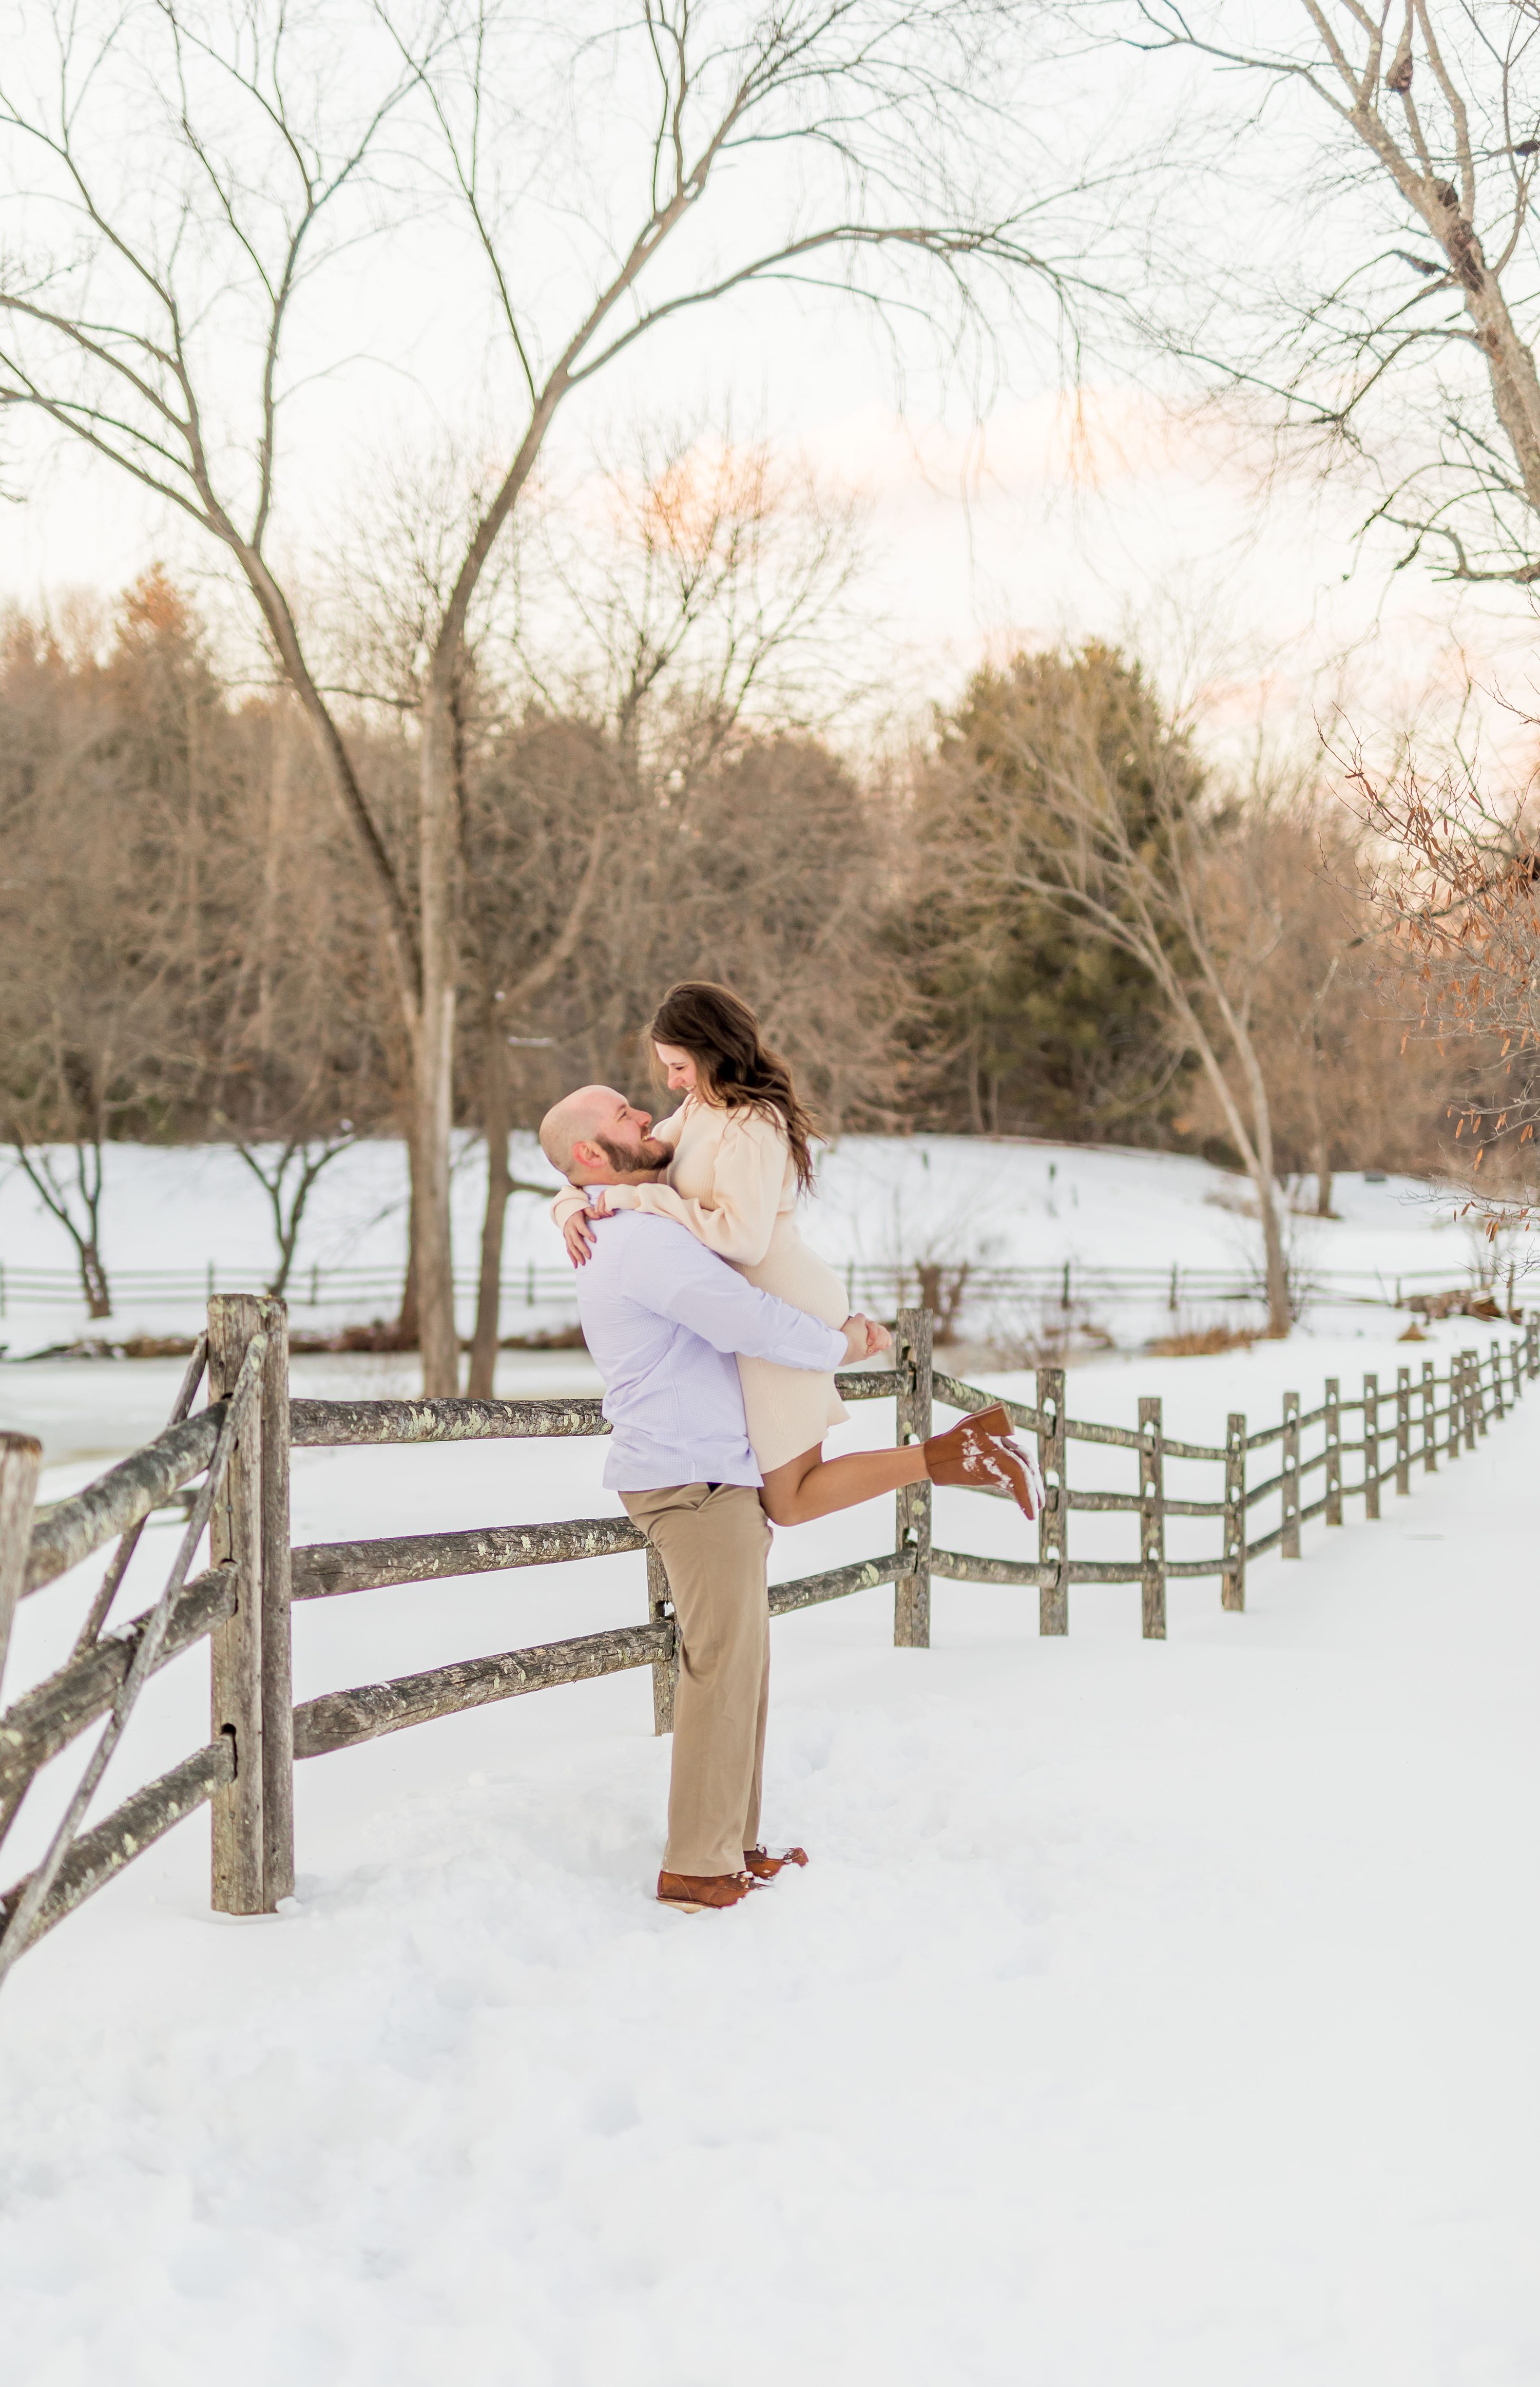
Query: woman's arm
{"type": "Point", "coordinates": [574, 1217]}
{"type": "Point", "coordinates": [750, 1172]}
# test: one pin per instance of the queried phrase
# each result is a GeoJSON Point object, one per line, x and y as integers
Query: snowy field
{"type": "Point", "coordinates": [882, 1203]}
{"type": "Point", "coordinates": [1150, 2016]}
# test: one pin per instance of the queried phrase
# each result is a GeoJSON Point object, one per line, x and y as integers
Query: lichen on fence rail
{"type": "Point", "coordinates": [131, 1829]}
{"type": "Point", "coordinates": [342, 1719]}
{"type": "Point", "coordinates": [322, 1570]}
{"type": "Point", "coordinates": [70, 1530]}
{"type": "Point", "coordinates": [331, 1424]}
{"type": "Point", "coordinates": [47, 1718]}
{"type": "Point", "coordinates": [839, 1583]}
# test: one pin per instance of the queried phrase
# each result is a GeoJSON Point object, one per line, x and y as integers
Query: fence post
{"type": "Point", "coordinates": [1474, 1416]}
{"type": "Point", "coordinates": [235, 1647]}
{"type": "Point", "coordinates": [1371, 1447]}
{"type": "Point", "coordinates": [1334, 1451]}
{"type": "Point", "coordinates": [912, 1592]}
{"type": "Point", "coordinates": [1430, 1419]}
{"type": "Point", "coordinates": [1152, 1519]}
{"type": "Point", "coordinates": [277, 1635]}
{"type": "Point", "coordinates": [1232, 1582]}
{"type": "Point", "coordinates": [1532, 1345]}
{"type": "Point", "coordinates": [665, 1671]}
{"type": "Point", "coordinates": [1403, 1431]}
{"type": "Point", "coordinates": [1053, 1524]}
{"type": "Point", "coordinates": [20, 1465]}
{"type": "Point", "coordinates": [1516, 1381]}
{"type": "Point", "coordinates": [1289, 1546]}
{"type": "Point", "coordinates": [1499, 1410]}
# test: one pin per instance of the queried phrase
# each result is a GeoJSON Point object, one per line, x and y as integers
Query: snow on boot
{"type": "Point", "coordinates": [981, 1451]}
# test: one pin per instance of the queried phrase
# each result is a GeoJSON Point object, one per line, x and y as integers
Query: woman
{"type": "Point", "coordinates": [740, 1152]}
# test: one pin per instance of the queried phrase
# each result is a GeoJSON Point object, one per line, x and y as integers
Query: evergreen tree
{"type": "Point", "coordinates": [1032, 1026]}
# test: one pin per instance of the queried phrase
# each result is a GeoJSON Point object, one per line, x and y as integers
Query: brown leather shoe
{"type": "Point", "coordinates": [981, 1450]}
{"type": "Point", "coordinates": [691, 1891]}
{"type": "Point", "coordinates": [764, 1867]}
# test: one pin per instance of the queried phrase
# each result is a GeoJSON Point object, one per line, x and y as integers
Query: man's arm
{"type": "Point", "coordinates": [671, 1274]}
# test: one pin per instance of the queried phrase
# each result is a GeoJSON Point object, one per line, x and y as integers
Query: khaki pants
{"type": "Point", "coordinates": [713, 1546]}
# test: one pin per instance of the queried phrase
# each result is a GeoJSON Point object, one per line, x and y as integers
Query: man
{"type": "Point", "coordinates": [664, 1319]}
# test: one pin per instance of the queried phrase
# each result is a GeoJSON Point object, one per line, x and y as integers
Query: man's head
{"type": "Point", "coordinates": [596, 1137]}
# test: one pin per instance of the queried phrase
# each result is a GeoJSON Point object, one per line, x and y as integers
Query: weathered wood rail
{"type": "Point", "coordinates": [241, 1603]}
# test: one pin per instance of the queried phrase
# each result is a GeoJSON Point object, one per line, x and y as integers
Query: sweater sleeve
{"type": "Point", "coordinates": [751, 1171]}
{"type": "Point", "coordinates": [566, 1204]}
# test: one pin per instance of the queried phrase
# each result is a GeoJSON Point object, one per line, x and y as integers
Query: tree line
{"type": "Point", "coordinates": [1047, 917]}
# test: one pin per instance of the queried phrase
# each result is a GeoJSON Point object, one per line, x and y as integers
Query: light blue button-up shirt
{"type": "Point", "coordinates": [663, 1317]}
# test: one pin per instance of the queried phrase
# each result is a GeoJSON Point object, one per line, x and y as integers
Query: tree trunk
{"type": "Point", "coordinates": [406, 1321]}
{"type": "Point", "coordinates": [433, 1055]}
{"type": "Point", "coordinates": [1280, 1314]}
{"type": "Point", "coordinates": [496, 1122]}
{"type": "Point", "coordinates": [1256, 1148]}
{"type": "Point", "coordinates": [1323, 1179]}
{"type": "Point", "coordinates": [93, 1280]}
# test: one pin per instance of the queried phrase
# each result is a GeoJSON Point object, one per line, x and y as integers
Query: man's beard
{"type": "Point", "coordinates": [628, 1159]}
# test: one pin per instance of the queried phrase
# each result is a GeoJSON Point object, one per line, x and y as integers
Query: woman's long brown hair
{"type": "Point", "coordinates": [736, 1070]}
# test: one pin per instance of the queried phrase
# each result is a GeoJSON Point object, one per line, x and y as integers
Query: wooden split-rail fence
{"type": "Point", "coordinates": [233, 1454]}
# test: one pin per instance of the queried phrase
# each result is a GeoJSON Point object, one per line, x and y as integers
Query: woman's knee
{"type": "Point", "coordinates": [782, 1503]}
{"type": "Point", "coordinates": [782, 1494]}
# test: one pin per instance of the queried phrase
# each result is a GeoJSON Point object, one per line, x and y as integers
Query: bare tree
{"type": "Point", "coordinates": [1458, 906]}
{"type": "Point", "coordinates": [118, 767]}
{"type": "Point", "coordinates": [287, 1175]}
{"type": "Point", "coordinates": [698, 592]}
{"type": "Point", "coordinates": [1182, 881]}
{"type": "Point", "coordinates": [189, 175]}
{"type": "Point", "coordinates": [1413, 357]}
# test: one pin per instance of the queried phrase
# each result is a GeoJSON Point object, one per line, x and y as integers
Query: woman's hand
{"type": "Point", "coordinates": [578, 1232]}
{"type": "Point", "coordinates": [864, 1338]}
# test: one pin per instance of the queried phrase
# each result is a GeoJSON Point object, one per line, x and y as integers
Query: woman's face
{"type": "Point", "coordinates": [678, 1068]}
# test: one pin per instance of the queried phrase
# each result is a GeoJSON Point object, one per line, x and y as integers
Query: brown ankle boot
{"type": "Point", "coordinates": [691, 1891]}
{"type": "Point", "coordinates": [764, 1867]}
{"type": "Point", "coordinates": [981, 1450]}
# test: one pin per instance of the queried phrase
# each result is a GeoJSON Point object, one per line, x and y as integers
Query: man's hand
{"type": "Point", "coordinates": [864, 1338]}
{"type": "Point", "coordinates": [578, 1234]}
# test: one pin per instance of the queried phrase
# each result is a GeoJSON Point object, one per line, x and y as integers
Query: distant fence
{"type": "Point", "coordinates": [242, 1602]}
{"type": "Point", "coordinates": [875, 1286]}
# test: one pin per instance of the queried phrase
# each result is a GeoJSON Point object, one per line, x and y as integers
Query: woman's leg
{"type": "Point", "coordinates": [810, 1486]}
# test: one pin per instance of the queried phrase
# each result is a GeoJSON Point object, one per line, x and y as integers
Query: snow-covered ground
{"type": "Point", "coordinates": [882, 1202]}
{"type": "Point", "coordinates": [1149, 2014]}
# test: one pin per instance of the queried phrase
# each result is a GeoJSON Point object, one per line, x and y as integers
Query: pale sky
{"type": "Point", "coordinates": [1017, 526]}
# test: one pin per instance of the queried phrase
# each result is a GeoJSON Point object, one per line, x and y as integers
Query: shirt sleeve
{"type": "Point", "coordinates": [740, 1217]}
{"type": "Point", "coordinates": [677, 1279]}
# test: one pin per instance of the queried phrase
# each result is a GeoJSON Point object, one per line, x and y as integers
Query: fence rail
{"type": "Point", "coordinates": [241, 1604]}
{"type": "Point", "coordinates": [1064, 1284]}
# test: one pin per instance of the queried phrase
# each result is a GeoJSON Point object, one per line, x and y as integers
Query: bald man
{"type": "Point", "coordinates": [664, 1317]}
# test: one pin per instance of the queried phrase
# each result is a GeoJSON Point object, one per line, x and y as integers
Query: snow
{"type": "Point", "coordinates": [883, 1202]}
{"type": "Point", "coordinates": [1149, 2014]}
